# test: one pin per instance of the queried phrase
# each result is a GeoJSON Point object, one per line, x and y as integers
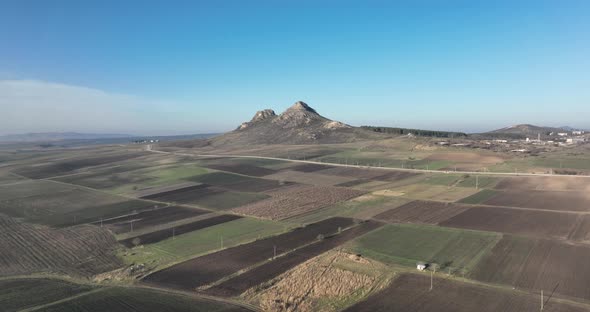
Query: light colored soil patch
{"type": "Point", "coordinates": [325, 283]}
{"type": "Point", "coordinates": [295, 200]}
{"type": "Point", "coordinates": [433, 192]}
{"type": "Point", "coordinates": [545, 183]}
{"type": "Point", "coordinates": [309, 178]}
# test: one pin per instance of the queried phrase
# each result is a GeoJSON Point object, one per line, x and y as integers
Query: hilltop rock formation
{"type": "Point", "coordinates": [299, 124]}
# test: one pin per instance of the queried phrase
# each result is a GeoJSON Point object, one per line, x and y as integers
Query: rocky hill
{"type": "Point", "coordinates": [522, 131]}
{"type": "Point", "coordinates": [299, 124]}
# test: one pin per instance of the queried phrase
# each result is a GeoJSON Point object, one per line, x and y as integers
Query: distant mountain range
{"type": "Point", "coordinates": [59, 136]}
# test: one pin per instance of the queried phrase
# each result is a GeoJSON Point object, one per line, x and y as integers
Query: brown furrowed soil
{"type": "Point", "coordinates": [410, 293]}
{"type": "Point", "coordinates": [535, 223]}
{"type": "Point", "coordinates": [537, 264]}
{"type": "Point", "coordinates": [555, 183]}
{"type": "Point", "coordinates": [547, 200]}
{"type": "Point", "coordinates": [185, 194]}
{"type": "Point", "coordinates": [204, 270]}
{"type": "Point", "coordinates": [83, 250]}
{"type": "Point", "coordinates": [161, 235]}
{"type": "Point", "coordinates": [581, 231]}
{"type": "Point", "coordinates": [291, 201]}
{"type": "Point", "coordinates": [309, 167]}
{"type": "Point", "coordinates": [148, 218]}
{"type": "Point", "coordinates": [419, 211]}
{"type": "Point", "coordinates": [274, 268]}
{"type": "Point", "coordinates": [353, 172]}
{"type": "Point", "coordinates": [258, 185]}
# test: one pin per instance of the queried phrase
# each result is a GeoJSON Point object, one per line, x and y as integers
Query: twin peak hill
{"type": "Point", "coordinates": [299, 124]}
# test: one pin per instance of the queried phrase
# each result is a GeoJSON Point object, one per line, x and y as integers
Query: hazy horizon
{"type": "Point", "coordinates": [159, 69]}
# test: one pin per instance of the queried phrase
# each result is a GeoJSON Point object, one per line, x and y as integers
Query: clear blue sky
{"type": "Point", "coordinates": [197, 66]}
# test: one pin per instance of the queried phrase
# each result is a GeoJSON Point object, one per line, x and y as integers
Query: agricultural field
{"type": "Point", "coordinates": [204, 270]}
{"type": "Point", "coordinates": [241, 168]}
{"type": "Point", "coordinates": [22, 293]}
{"type": "Point", "coordinates": [137, 299]}
{"type": "Point", "coordinates": [363, 207]}
{"type": "Point", "coordinates": [311, 178]}
{"type": "Point", "coordinates": [547, 224]}
{"type": "Point", "coordinates": [239, 284]}
{"type": "Point", "coordinates": [556, 183]}
{"type": "Point", "coordinates": [546, 200]}
{"type": "Point", "coordinates": [60, 168]}
{"type": "Point", "coordinates": [160, 235]}
{"type": "Point", "coordinates": [149, 218]}
{"type": "Point", "coordinates": [199, 242]}
{"type": "Point", "coordinates": [423, 191]}
{"type": "Point", "coordinates": [407, 244]}
{"type": "Point", "coordinates": [538, 264]}
{"type": "Point", "coordinates": [328, 282]}
{"type": "Point", "coordinates": [410, 292]}
{"type": "Point", "coordinates": [295, 200]}
{"type": "Point", "coordinates": [56, 204]}
{"type": "Point", "coordinates": [82, 250]}
{"type": "Point", "coordinates": [427, 212]}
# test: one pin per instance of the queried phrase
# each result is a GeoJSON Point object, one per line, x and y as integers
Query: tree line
{"type": "Point", "coordinates": [417, 132]}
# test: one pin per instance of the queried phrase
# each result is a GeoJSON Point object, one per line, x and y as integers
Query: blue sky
{"type": "Point", "coordinates": [149, 67]}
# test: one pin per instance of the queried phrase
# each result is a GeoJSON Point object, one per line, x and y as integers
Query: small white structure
{"type": "Point", "coordinates": [421, 267]}
{"type": "Point", "coordinates": [577, 132]}
{"type": "Point", "coordinates": [562, 133]}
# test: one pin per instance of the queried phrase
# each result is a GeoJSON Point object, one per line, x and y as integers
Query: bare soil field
{"type": "Point", "coordinates": [353, 172]}
{"type": "Point", "coordinates": [69, 166]}
{"type": "Point", "coordinates": [410, 292]}
{"type": "Point", "coordinates": [291, 201]}
{"type": "Point", "coordinates": [552, 266]}
{"type": "Point", "coordinates": [160, 235]}
{"type": "Point", "coordinates": [258, 185]}
{"type": "Point", "coordinates": [148, 218]}
{"type": "Point", "coordinates": [418, 211]}
{"type": "Point", "coordinates": [274, 268]}
{"type": "Point", "coordinates": [82, 250]}
{"type": "Point", "coordinates": [428, 192]}
{"type": "Point", "coordinates": [145, 192]}
{"type": "Point", "coordinates": [245, 169]}
{"type": "Point", "coordinates": [312, 178]}
{"type": "Point", "coordinates": [581, 231]}
{"type": "Point", "coordinates": [549, 200]}
{"type": "Point", "coordinates": [204, 270]}
{"type": "Point", "coordinates": [555, 183]}
{"type": "Point", "coordinates": [515, 221]}
{"type": "Point", "coordinates": [183, 194]}
{"type": "Point", "coordinates": [309, 167]}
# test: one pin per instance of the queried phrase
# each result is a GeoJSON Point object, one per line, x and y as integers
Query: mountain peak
{"type": "Point", "coordinates": [301, 106]}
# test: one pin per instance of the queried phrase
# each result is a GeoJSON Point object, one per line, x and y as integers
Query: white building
{"type": "Point", "coordinates": [421, 267]}
{"type": "Point", "coordinates": [562, 133]}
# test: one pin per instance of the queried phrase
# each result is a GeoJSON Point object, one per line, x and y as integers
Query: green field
{"type": "Point", "coordinates": [478, 197]}
{"type": "Point", "coordinates": [407, 244]}
{"type": "Point", "coordinates": [203, 241]}
{"type": "Point", "coordinates": [18, 294]}
{"type": "Point", "coordinates": [136, 299]}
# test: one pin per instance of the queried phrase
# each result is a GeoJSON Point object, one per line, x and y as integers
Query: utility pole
{"type": "Point", "coordinates": [274, 252]}
{"type": "Point", "coordinates": [542, 300]}
{"type": "Point", "coordinates": [431, 278]}
{"type": "Point", "coordinates": [173, 233]}
{"type": "Point", "coordinates": [477, 182]}
{"type": "Point", "coordinates": [131, 226]}
{"type": "Point", "coordinates": [221, 241]}
{"type": "Point", "coordinates": [100, 222]}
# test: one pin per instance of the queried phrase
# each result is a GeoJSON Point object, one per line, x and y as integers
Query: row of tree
{"type": "Point", "coordinates": [417, 132]}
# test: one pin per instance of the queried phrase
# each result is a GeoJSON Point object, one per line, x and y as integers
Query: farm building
{"type": "Point", "coordinates": [421, 267]}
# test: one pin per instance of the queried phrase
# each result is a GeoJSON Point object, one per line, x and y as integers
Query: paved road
{"type": "Point", "coordinates": [151, 149]}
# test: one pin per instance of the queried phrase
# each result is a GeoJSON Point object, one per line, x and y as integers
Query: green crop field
{"type": "Point", "coordinates": [407, 244]}
{"type": "Point", "coordinates": [136, 299]}
{"type": "Point", "coordinates": [203, 241]}
{"type": "Point", "coordinates": [228, 200]}
{"type": "Point", "coordinates": [18, 294]}
{"type": "Point", "coordinates": [478, 197]}
{"type": "Point", "coordinates": [441, 179]}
